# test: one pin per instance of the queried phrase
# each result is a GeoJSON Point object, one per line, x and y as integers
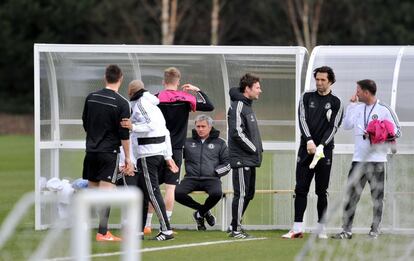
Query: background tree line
{"type": "Point", "coordinates": [194, 22]}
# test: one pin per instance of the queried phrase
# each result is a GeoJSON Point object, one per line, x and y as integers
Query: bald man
{"type": "Point", "coordinates": [152, 148]}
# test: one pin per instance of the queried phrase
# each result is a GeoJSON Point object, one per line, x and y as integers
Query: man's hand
{"type": "Point", "coordinates": [126, 123]}
{"type": "Point", "coordinates": [172, 166]}
{"type": "Point", "coordinates": [189, 87]}
{"type": "Point", "coordinates": [311, 147]}
{"type": "Point", "coordinates": [318, 155]}
{"type": "Point", "coordinates": [128, 168]}
{"type": "Point", "coordinates": [354, 98]}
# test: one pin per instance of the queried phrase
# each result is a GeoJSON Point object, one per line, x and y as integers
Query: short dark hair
{"type": "Point", "coordinates": [247, 80]}
{"type": "Point", "coordinates": [113, 73]}
{"type": "Point", "coordinates": [368, 85]}
{"type": "Point", "coordinates": [325, 69]}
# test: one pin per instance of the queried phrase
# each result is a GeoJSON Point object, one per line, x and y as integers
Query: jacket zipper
{"type": "Point", "coordinates": [201, 156]}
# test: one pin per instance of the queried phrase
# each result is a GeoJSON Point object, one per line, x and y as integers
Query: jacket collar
{"type": "Point", "coordinates": [137, 95]}
{"type": "Point", "coordinates": [214, 133]}
{"type": "Point", "coordinates": [236, 95]}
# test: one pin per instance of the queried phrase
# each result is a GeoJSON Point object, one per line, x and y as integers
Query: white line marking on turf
{"type": "Point", "coordinates": [198, 244]}
{"type": "Point", "coordinates": [153, 249]}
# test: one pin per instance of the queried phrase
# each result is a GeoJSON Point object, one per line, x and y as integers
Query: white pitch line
{"type": "Point", "coordinates": [153, 249]}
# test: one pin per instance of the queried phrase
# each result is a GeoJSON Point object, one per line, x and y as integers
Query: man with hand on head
{"type": "Point", "coordinates": [370, 154]}
{"type": "Point", "coordinates": [176, 106]}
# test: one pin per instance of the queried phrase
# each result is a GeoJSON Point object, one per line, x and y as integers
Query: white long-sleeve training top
{"type": "Point", "coordinates": [148, 122]}
{"type": "Point", "coordinates": [357, 117]}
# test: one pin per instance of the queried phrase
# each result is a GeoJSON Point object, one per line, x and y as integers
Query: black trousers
{"type": "Point", "coordinates": [148, 170]}
{"type": "Point", "coordinates": [304, 177]}
{"type": "Point", "coordinates": [359, 174]}
{"type": "Point", "coordinates": [244, 185]}
{"type": "Point", "coordinates": [188, 185]}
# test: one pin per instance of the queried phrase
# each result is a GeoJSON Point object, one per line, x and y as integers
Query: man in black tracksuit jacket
{"type": "Point", "coordinates": [245, 148]}
{"type": "Point", "coordinates": [320, 115]}
{"type": "Point", "coordinates": [206, 161]}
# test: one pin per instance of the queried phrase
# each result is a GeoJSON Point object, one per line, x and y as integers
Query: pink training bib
{"type": "Point", "coordinates": [169, 96]}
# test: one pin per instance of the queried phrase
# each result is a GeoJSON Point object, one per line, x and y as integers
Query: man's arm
{"type": "Point", "coordinates": [168, 154]}
{"type": "Point", "coordinates": [334, 123]}
{"type": "Point", "coordinates": [144, 126]}
{"type": "Point", "coordinates": [203, 102]}
{"type": "Point", "coordinates": [303, 125]}
{"type": "Point", "coordinates": [394, 119]}
{"type": "Point", "coordinates": [85, 114]}
{"type": "Point", "coordinates": [224, 162]}
{"type": "Point", "coordinates": [237, 129]}
{"type": "Point", "coordinates": [128, 167]}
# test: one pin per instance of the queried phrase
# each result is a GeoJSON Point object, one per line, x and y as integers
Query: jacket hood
{"type": "Point", "coordinates": [236, 95]}
{"type": "Point", "coordinates": [144, 94]}
{"type": "Point", "coordinates": [214, 133]}
{"type": "Point", "coordinates": [137, 95]}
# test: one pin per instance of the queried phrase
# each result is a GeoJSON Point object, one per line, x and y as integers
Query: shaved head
{"type": "Point", "coordinates": [135, 86]}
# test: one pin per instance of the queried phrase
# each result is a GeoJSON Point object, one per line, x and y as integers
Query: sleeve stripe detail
{"type": "Point", "coordinates": [104, 96]}
{"type": "Point", "coordinates": [143, 111]}
{"type": "Point", "coordinates": [394, 118]}
{"type": "Point", "coordinates": [201, 97]}
{"type": "Point", "coordinates": [302, 117]}
{"type": "Point", "coordinates": [223, 169]}
{"type": "Point", "coordinates": [238, 127]}
{"type": "Point", "coordinates": [104, 103]}
{"type": "Point", "coordinates": [336, 123]}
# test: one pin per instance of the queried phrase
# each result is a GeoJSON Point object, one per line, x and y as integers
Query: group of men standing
{"type": "Point", "coordinates": [151, 129]}
{"type": "Point", "coordinates": [152, 154]}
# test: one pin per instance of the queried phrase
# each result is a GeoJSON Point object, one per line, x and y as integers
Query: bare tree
{"type": "Point", "coordinates": [168, 21]}
{"type": "Point", "coordinates": [169, 14]}
{"type": "Point", "coordinates": [304, 16]}
{"type": "Point", "coordinates": [215, 21]}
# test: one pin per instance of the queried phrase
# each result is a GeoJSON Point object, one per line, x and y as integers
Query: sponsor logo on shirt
{"type": "Point", "coordinates": [210, 146]}
{"type": "Point", "coordinates": [328, 105]}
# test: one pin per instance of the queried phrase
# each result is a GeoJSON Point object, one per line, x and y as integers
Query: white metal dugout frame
{"type": "Point", "coordinates": [51, 144]}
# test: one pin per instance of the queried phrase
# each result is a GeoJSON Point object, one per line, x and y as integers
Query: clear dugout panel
{"type": "Point", "coordinates": [354, 63]}
{"type": "Point", "coordinates": [404, 105]}
{"type": "Point", "coordinates": [66, 74]}
{"type": "Point", "coordinates": [275, 108]}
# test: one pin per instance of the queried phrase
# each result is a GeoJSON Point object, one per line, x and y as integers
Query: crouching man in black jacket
{"type": "Point", "coordinates": [206, 161]}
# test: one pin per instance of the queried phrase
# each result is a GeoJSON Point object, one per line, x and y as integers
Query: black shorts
{"type": "Point", "coordinates": [100, 166]}
{"type": "Point", "coordinates": [168, 177]}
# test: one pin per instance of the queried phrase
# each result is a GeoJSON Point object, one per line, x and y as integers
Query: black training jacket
{"type": "Point", "coordinates": [319, 118]}
{"type": "Point", "coordinates": [245, 144]}
{"type": "Point", "coordinates": [208, 160]}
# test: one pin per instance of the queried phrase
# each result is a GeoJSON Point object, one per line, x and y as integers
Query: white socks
{"type": "Point", "coordinates": [149, 220]}
{"type": "Point", "coordinates": [298, 227]}
{"type": "Point", "coordinates": [169, 214]}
